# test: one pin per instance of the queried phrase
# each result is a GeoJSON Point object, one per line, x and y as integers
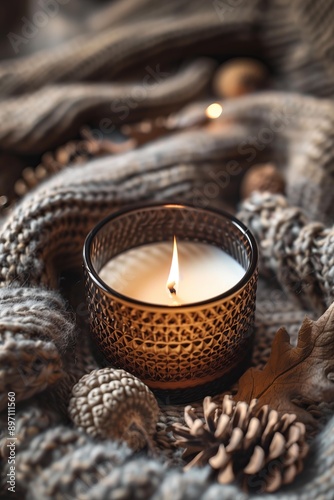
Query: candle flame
{"type": "Point", "coordinates": [214, 110]}
{"type": "Point", "coordinates": [173, 278]}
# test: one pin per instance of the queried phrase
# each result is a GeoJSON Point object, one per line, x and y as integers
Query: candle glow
{"type": "Point", "coordinates": [214, 110]}
{"type": "Point", "coordinates": [174, 274]}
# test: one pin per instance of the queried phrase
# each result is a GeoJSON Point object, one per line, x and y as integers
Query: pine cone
{"type": "Point", "coordinates": [110, 403]}
{"type": "Point", "coordinates": [263, 451]}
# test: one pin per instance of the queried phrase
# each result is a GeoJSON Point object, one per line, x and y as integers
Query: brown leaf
{"type": "Point", "coordinates": [295, 376]}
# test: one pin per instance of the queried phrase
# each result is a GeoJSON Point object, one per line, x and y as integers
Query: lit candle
{"type": "Point", "coordinates": [177, 314]}
{"type": "Point", "coordinates": [198, 272]}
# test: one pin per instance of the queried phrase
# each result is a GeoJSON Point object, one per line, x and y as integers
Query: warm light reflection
{"type": "Point", "coordinates": [173, 278]}
{"type": "Point", "coordinates": [214, 110]}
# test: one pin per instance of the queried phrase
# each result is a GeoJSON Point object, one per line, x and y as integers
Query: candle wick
{"type": "Point", "coordinates": [171, 288]}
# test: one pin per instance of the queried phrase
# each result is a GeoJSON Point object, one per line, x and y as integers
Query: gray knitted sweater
{"type": "Point", "coordinates": [44, 347]}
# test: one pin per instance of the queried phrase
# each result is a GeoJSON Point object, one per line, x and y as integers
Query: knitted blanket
{"type": "Point", "coordinates": [46, 98]}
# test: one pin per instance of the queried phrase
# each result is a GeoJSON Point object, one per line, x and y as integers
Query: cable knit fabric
{"type": "Point", "coordinates": [44, 336]}
{"type": "Point", "coordinates": [298, 251]}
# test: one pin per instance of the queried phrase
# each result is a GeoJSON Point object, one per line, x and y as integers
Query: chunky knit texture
{"type": "Point", "coordinates": [298, 251]}
{"type": "Point", "coordinates": [43, 351]}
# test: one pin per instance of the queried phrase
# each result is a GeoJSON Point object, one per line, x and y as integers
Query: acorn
{"type": "Point", "coordinates": [262, 177]}
{"type": "Point", "coordinates": [240, 76]}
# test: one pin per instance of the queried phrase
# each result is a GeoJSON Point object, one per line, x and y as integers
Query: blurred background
{"type": "Point", "coordinates": [44, 23]}
{"type": "Point", "coordinates": [84, 78]}
{"type": "Point", "coordinates": [48, 47]}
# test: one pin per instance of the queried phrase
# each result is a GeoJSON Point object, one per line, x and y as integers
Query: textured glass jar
{"type": "Point", "coordinates": [181, 352]}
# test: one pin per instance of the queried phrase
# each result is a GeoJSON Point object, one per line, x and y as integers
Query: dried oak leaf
{"type": "Point", "coordinates": [295, 377]}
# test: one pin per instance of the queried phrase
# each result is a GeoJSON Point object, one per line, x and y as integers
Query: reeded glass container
{"type": "Point", "coordinates": [181, 352]}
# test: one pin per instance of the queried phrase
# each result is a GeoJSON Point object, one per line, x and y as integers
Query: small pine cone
{"type": "Point", "coordinates": [109, 403]}
{"type": "Point", "coordinates": [263, 451]}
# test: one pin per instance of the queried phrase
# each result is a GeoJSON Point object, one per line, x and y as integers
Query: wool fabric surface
{"type": "Point", "coordinates": [44, 335]}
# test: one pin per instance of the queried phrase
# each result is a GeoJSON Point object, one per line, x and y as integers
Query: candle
{"type": "Point", "coordinates": [177, 314]}
{"type": "Point", "coordinates": [198, 272]}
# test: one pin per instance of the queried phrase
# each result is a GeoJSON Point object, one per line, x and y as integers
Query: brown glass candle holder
{"type": "Point", "coordinates": [181, 352]}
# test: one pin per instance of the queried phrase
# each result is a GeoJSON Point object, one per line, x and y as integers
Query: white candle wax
{"type": "Point", "coordinates": [141, 273]}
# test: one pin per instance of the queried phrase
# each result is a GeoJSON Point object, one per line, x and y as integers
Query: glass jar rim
{"type": "Point", "coordinates": [129, 301]}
